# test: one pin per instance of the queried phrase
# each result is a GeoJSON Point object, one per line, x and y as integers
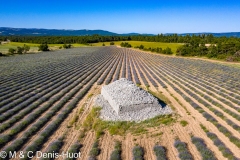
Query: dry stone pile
{"type": "Point", "coordinates": [122, 100]}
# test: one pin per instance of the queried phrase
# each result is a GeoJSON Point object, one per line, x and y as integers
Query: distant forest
{"type": "Point", "coordinates": [194, 45]}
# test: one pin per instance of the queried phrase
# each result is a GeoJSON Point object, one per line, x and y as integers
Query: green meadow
{"type": "Point", "coordinates": [173, 46]}
{"type": "Point", "coordinates": [33, 46]}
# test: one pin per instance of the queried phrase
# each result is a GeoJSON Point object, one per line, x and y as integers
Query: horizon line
{"type": "Point", "coordinates": [123, 33]}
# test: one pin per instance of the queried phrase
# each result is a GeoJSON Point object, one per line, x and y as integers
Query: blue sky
{"type": "Point", "coordinates": [121, 16]}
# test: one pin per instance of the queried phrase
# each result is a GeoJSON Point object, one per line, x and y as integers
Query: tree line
{"type": "Point", "coordinates": [228, 50]}
{"type": "Point", "coordinates": [174, 38]}
{"type": "Point", "coordinates": [194, 45]}
{"type": "Point", "coordinates": [26, 48]}
{"type": "Point", "coordinates": [19, 50]}
{"type": "Point", "coordinates": [64, 39]}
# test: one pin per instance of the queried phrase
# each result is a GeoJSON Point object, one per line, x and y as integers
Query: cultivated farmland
{"type": "Point", "coordinates": [33, 47]}
{"type": "Point", "coordinates": [173, 46]}
{"type": "Point", "coordinates": [46, 104]}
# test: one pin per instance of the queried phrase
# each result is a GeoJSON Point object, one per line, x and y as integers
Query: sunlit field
{"type": "Point", "coordinates": [173, 46]}
{"type": "Point", "coordinates": [33, 46]}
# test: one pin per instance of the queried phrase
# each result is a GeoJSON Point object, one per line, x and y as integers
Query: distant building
{"type": "Point", "coordinates": [5, 42]}
{"type": "Point", "coordinates": [208, 45]}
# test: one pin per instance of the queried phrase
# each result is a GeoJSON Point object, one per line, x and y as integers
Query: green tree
{"type": "Point", "coordinates": [126, 44]}
{"type": "Point", "coordinates": [26, 48]}
{"type": "Point", "coordinates": [184, 50]}
{"type": "Point", "coordinates": [122, 44]}
{"type": "Point", "coordinates": [11, 50]}
{"type": "Point", "coordinates": [141, 47]}
{"type": "Point", "coordinates": [20, 50]}
{"type": "Point", "coordinates": [159, 50]}
{"type": "Point", "coordinates": [66, 46]}
{"type": "Point", "coordinates": [167, 51]}
{"type": "Point", "coordinates": [212, 51]}
{"type": "Point", "coordinates": [202, 50]}
{"type": "Point", "coordinates": [43, 47]}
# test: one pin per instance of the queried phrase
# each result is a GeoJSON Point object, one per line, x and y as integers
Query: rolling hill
{"type": "Point", "coordinates": [8, 31]}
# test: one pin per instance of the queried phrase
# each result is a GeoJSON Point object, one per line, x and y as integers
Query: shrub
{"type": "Point", "coordinates": [20, 50]}
{"type": "Point", "coordinates": [141, 47]}
{"type": "Point", "coordinates": [74, 149]}
{"type": "Point", "coordinates": [99, 134]}
{"type": "Point", "coordinates": [66, 46]}
{"type": "Point", "coordinates": [54, 147]}
{"type": "Point", "coordinates": [11, 51]}
{"type": "Point", "coordinates": [183, 123]}
{"type": "Point", "coordinates": [111, 43]}
{"type": "Point", "coordinates": [4, 139]}
{"type": "Point", "coordinates": [160, 152]}
{"type": "Point", "coordinates": [204, 128]}
{"type": "Point", "coordinates": [221, 146]}
{"type": "Point", "coordinates": [138, 153]}
{"type": "Point", "coordinates": [167, 51]}
{"type": "Point", "coordinates": [116, 154]}
{"type": "Point", "coordinates": [206, 153]}
{"type": "Point", "coordinates": [125, 44]}
{"type": "Point", "coordinates": [43, 47]}
{"type": "Point", "coordinates": [95, 151]}
{"type": "Point", "coordinates": [183, 152]}
{"type": "Point", "coordinates": [158, 50]}
{"type": "Point", "coordinates": [26, 48]}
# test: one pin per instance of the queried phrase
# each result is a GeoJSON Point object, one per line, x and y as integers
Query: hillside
{"type": "Point", "coordinates": [226, 34]}
{"type": "Point", "coordinates": [7, 31]}
{"type": "Point", "coordinates": [51, 32]}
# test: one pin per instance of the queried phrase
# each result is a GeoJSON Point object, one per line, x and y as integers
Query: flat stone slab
{"type": "Point", "coordinates": [122, 100]}
{"type": "Point", "coordinates": [124, 96]}
{"type": "Point", "coordinates": [109, 114]}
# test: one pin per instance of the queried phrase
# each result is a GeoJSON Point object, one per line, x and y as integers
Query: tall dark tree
{"type": "Point", "coordinates": [11, 50]}
{"type": "Point", "coordinates": [26, 48]}
{"type": "Point", "coordinates": [20, 50]}
{"type": "Point", "coordinates": [43, 47]}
